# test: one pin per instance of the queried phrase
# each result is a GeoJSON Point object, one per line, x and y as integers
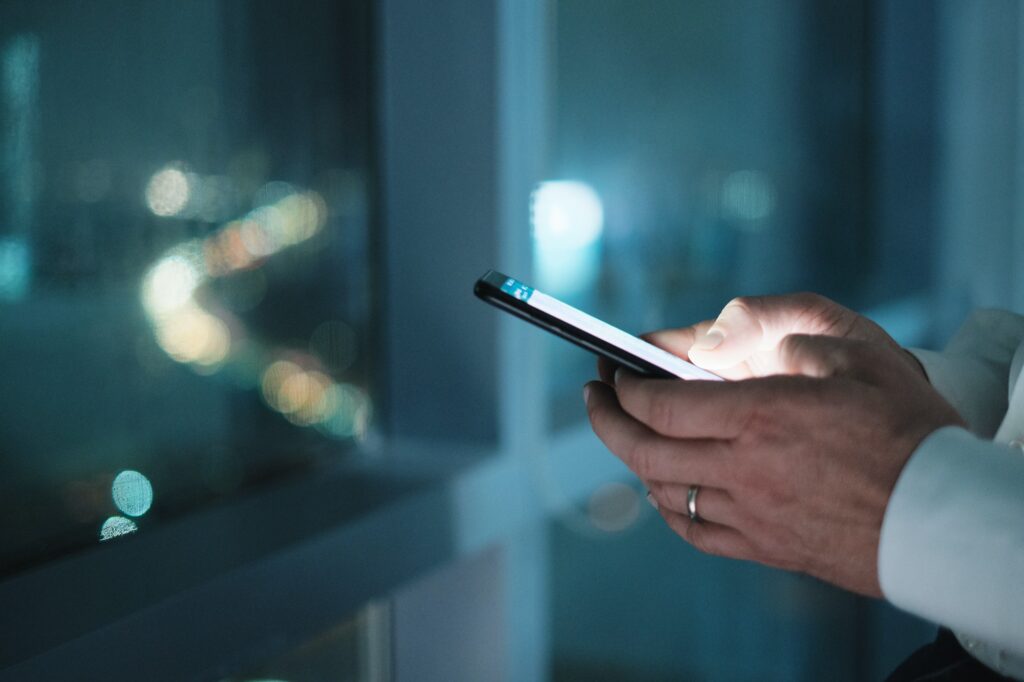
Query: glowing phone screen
{"type": "Point", "coordinates": [606, 332]}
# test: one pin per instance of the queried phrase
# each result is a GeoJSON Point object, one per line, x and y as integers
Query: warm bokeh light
{"type": "Point", "coordinates": [292, 385]}
{"type": "Point", "coordinates": [169, 284]}
{"type": "Point", "coordinates": [274, 378]}
{"type": "Point", "coordinates": [192, 335]}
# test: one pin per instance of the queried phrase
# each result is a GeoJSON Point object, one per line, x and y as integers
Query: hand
{"type": "Point", "coordinates": [794, 471]}
{"type": "Point", "coordinates": [743, 341]}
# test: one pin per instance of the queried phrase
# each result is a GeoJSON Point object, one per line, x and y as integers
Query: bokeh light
{"type": "Point", "coordinates": [568, 220]}
{"type": "Point", "coordinates": [132, 493]}
{"type": "Point", "coordinates": [274, 378]}
{"type": "Point", "coordinates": [169, 285]}
{"type": "Point", "coordinates": [168, 191]}
{"type": "Point", "coordinates": [295, 385]}
{"type": "Point", "coordinates": [614, 507]}
{"type": "Point", "coordinates": [116, 526]}
{"type": "Point", "coordinates": [347, 412]}
{"type": "Point", "coordinates": [193, 335]}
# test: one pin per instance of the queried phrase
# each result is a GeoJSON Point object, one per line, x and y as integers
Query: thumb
{"type": "Point", "coordinates": [677, 341]}
{"type": "Point", "coordinates": [736, 335]}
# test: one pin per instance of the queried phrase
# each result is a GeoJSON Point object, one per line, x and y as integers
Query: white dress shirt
{"type": "Point", "coordinates": [952, 545]}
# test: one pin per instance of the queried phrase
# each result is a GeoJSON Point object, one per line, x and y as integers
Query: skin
{"type": "Point", "coordinates": [796, 458]}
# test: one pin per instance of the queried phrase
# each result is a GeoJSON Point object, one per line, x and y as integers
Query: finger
{"type": "Point", "coordinates": [753, 324]}
{"type": "Point", "coordinates": [828, 356]}
{"type": "Point", "coordinates": [606, 370]}
{"type": "Point", "coordinates": [678, 341]}
{"type": "Point", "coordinates": [687, 409]}
{"type": "Point", "coordinates": [709, 537]}
{"type": "Point", "coordinates": [713, 504]}
{"type": "Point", "coordinates": [734, 336]}
{"type": "Point", "coordinates": [648, 455]}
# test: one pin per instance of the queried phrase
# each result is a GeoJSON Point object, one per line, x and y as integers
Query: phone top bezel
{"type": "Point", "coordinates": [488, 288]}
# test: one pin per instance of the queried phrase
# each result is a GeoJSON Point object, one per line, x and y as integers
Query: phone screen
{"type": "Point", "coordinates": [584, 330]}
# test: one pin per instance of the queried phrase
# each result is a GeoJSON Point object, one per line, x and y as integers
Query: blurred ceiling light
{"type": "Point", "coordinates": [568, 220]}
{"type": "Point", "coordinates": [132, 493]}
{"type": "Point", "coordinates": [168, 191]}
{"type": "Point", "coordinates": [116, 526]}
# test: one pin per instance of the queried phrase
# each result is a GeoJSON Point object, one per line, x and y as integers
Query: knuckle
{"type": "Point", "coordinates": [702, 540]}
{"type": "Point", "coordinates": [745, 304]}
{"type": "Point", "coordinates": [812, 300]}
{"type": "Point", "coordinates": [640, 458]}
{"type": "Point", "coordinates": [660, 413]}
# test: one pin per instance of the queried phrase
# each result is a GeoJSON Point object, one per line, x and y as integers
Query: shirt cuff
{"type": "Point", "coordinates": [952, 541]}
{"type": "Point", "coordinates": [970, 385]}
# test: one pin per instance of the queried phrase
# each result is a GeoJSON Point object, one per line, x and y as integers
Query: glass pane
{"type": "Point", "coordinates": [704, 150]}
{"type": "Point", "coordinates": [185, 257]}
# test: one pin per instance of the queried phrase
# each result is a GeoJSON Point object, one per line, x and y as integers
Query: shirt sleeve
{"type": "Point", "coordinates": [952, 542]}
{"type": "Point", "coordinates": [973, 372]}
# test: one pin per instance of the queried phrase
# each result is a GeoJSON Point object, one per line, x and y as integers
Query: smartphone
{"type": "Point", "coordinates": [584, 330]}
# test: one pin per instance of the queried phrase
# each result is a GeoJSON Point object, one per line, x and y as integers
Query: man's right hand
{"type": "Point", "coordinates": [743, 342]}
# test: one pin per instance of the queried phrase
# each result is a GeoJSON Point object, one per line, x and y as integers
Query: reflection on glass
{"type": "Point", "coordinates": [116, 526]}
{"type": "Point", "coordinates": [184, 214]}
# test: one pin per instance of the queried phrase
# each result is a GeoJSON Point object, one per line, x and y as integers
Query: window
{"type": "Point", "coordinates": [186, 258]}
{"type": "Point", "coordinates": [707, 150]}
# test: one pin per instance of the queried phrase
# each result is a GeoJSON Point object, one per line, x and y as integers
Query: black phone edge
{"type": "Point", "coordinates": [486, 290]}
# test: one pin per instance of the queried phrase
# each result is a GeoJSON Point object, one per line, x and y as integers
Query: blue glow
{"type": "Point", "coordinates": [516, 288]}
{"type": "Point", "coordinates": [116, 526]}
{"type": "Point", "coordinates": [748, 195]}
{"type": "Point", "coordinates": [132, 493]}
{"type": "Point", "coordinates": [15, 268]}
{"type": "Point", "coordinates": [568, 220]}
{"type": "Point", "coordinates": [19, 80]}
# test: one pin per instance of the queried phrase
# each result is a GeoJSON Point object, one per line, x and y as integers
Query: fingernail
{"type": "Point", "coordinates": [650, 499]}
{"type": "Point", "coordinates": [586, 393]}
{"type": "Point", "coordinates": [710, 341]}
{"type": "Point", "coordinates": [618, 375]}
